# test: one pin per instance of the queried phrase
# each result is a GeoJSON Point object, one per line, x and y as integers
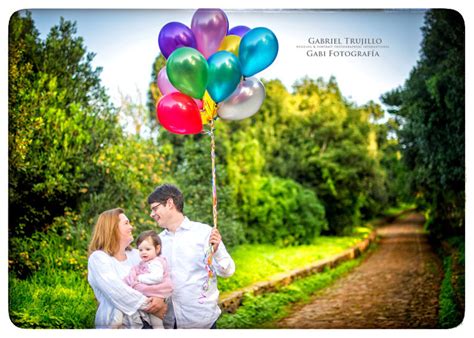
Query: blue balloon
{"type": "Point", "coordinates": [223, 76]}
{"type": "Point", "coordinates": [258, 49]}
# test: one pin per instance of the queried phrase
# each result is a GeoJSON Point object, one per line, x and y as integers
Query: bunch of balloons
{"type": "Point", "coordinates": [212, 63]}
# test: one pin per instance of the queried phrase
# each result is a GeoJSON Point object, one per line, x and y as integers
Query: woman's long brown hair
{"type": "Point", "coordinates": [105, 235]}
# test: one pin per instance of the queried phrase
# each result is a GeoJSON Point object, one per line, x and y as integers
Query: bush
{"type": "Point", "coordinates": [129, 172]}
{"type": "Point", "coordinates": [63, 247]}
{"type": "Point", "coordinates": [284, 212]}
{"type": "Point", "coordinates": [452, 292]}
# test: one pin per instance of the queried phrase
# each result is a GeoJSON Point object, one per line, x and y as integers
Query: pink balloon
{"type": "Point", "coordinates": [198, 103]}
{"type": "Point", "coordinates": [166, 87]}
{"type": "Point", "coordinates": [209, 26]}
{"type": "Point", "coordinates": [164, 83]}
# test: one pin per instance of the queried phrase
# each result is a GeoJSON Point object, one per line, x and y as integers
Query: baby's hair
{"type": "Point", "coordinates": [155, 239]}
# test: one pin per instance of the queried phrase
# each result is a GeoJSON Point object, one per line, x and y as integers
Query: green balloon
{"type": "Point", "coordinates": [187, 71]}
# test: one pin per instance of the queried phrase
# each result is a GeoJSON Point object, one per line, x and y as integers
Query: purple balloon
{"type": "Point", "coordinates": [174, 35]}
{"type": "Point", "coordinates": [164, 83]}
{"type": "Point", "coordinates": [238, 30]}
{"type": "Point", "coordinates": [209, 26]}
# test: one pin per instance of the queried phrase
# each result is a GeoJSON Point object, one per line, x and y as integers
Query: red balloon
{"type": "Point", "coordinates": [179, 114]}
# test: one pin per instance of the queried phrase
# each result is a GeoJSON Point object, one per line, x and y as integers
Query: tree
{"type": "Point", "coordinates": [59, 119]}
{"type": "Point", "coordinates": [318, 139]}
{"type": "Point", "coordinates": [430, 107]}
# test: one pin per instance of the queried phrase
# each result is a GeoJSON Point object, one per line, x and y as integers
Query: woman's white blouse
{"type": "Point", "coordinates": [105, 275]}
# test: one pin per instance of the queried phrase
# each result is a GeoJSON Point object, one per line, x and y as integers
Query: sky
{"type": "Point", "coordinates": [126, 44]}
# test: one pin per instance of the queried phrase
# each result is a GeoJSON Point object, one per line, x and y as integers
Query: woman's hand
{"type": "Point", "coordinates": [157, 306]}
{"type": "Point", "coordinates": [215, 239]}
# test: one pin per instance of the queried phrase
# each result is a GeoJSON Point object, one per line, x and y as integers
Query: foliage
{"type": "Point", "coordinates": [59, 118]}
{"type": "Point", "coordinates": [49, 275]}
{"type": "Point", "coordinates": [261, 311]}
{"type": "Point", "coordinates": [274, 210]}
{"type": "Point", "coordinates": [319, 140]}
{"type": "Point", "coordinates": [397, 175]}
{"type": "Point", "coordinates": [284, 213]}
{"type": "Point", "coordinates": [62, 248]}
{"type": "Point", "coordinates": [134, 118]}
{"type": "Point", "coordinates": [193, 175]}
{"type": "Point", "coordinates": [431, 109]}
{"type": "Point", "coordinates": [129, 171]}
{"type": "Point", "coordinates": [452, 293]}
{"type": "Point", "coordinates": [449, 314]}
{"type": "Point", "coordinates": [69, 159]}
{"type": "Point", "coordinates": [395, 211]}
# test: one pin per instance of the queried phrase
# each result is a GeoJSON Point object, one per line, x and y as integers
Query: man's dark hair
{"type": "Point", "coordinates": [166, 191]}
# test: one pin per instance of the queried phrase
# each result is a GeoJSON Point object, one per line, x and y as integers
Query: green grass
{"type": "Point", "coordinates": [265, 310]}
{"type": "Point", "coordinates": [393, 211]}
{"type": "Point", "coordinates": [59, 300]}
{"type": "Point", "coordinates": [452, 287]}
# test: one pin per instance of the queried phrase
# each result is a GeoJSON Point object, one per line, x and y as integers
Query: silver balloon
{"type": "Point", "coordinates": [244, 102]}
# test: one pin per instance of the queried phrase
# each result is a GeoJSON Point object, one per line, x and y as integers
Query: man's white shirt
{"type": "Point", "coordinates": [185, 250]}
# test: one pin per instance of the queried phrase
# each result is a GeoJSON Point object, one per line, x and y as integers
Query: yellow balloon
{"type": "Point", "coordinates": [209, 111]}
{"type": "Point", "coordinates": [231, 44]}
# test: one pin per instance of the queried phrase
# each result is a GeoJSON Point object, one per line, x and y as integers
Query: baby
{"type": "Point", "coordinates": [151, 276]}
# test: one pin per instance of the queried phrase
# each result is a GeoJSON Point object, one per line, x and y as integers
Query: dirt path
{"type": "Point", "coordinates": [397, 286]}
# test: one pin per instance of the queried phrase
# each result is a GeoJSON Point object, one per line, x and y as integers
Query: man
{"type": "Point", "coordinates": [184, 245]}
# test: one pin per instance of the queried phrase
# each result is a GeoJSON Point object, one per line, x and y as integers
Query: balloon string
{"type": "Point", "coordinates": [213, 163]}
{"type": "Point", "coordinates": [210, 252]}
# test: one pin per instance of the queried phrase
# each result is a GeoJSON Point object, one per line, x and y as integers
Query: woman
{"type": "Point", "coordinates": [110, 260]}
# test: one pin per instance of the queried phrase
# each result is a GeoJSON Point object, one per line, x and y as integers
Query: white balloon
{"type": "Point", "coordinates": [244, 102]}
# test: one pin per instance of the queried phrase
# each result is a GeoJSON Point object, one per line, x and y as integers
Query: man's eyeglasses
{"type": "Point", "coordinates": [155, 208]}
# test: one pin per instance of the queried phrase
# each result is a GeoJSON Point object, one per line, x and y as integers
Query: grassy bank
{"type": "Point", "coordinates": [61, 300]}
{"type": "Point", "coordinates": [451, 298]}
